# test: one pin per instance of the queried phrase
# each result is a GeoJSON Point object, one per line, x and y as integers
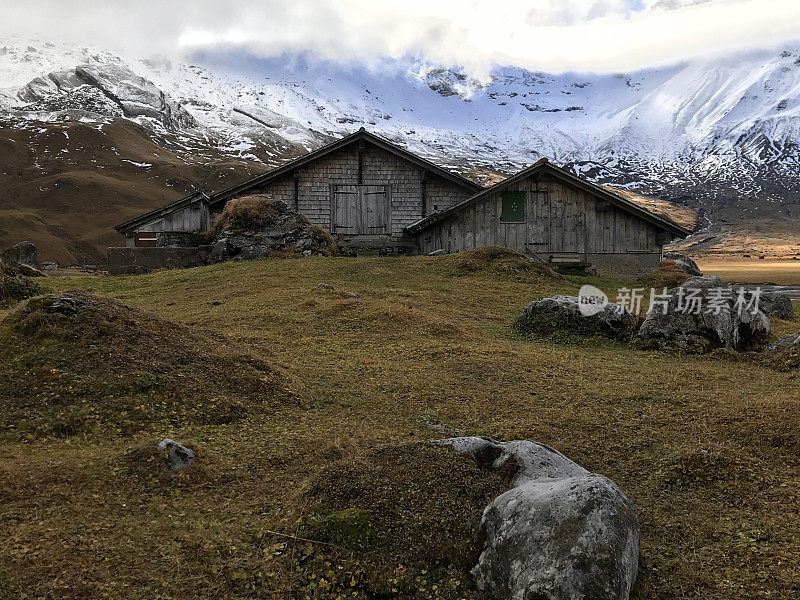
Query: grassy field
{"type": "Point", "coordinates": [708, 447]}
{"type": "Point", "coordinates": [743, 270]}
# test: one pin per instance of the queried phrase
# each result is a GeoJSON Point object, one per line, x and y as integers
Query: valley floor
{"type": "Point", "coordinates": [752, 270]}
{"type": "Point", "coordinates": [707, 447]}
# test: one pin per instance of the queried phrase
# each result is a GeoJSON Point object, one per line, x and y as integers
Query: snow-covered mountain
{"type": "Point", "coordinates": [720, 134]}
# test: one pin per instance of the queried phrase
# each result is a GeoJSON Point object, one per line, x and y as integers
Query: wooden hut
{"type": "Point", "coordinates": [362, 188]}
{"type": "Point", "coordinates": [557, 216]}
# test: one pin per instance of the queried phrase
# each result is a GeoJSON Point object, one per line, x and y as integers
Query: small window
{"type": "Point", "coordinates": [513, 207]}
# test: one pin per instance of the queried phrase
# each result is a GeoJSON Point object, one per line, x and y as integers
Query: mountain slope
{"type": "Point", "coordinates": [92, 137]}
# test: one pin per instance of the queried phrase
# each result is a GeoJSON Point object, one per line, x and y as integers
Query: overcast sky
{"type": "Point", "coordinates": [551, 35]}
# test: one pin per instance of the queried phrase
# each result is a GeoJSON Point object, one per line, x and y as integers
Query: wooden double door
{"type": "Point", "coordinates": [361, 210]}
{"type": "Point", "coordinates": [555, 222]}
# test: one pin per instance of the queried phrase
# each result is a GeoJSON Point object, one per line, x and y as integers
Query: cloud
{"type": "Point", "coordinates": [550, 35]}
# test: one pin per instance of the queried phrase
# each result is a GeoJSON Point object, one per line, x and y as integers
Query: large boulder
{"type": "Point", "coordinates": [704, 314]}
{"type": "Point", "coordinates": [686, 264]}
{"type": "Point", "coordinates": [561, 533]}
{"type": "Point", "coordinates": [24, 253]}
{"type": "Point", "coordinates": [578, 314]}
{"type": "Point", "coordinates": [777, 305]}
{"type": "Point", "coordinates": [256, 226]}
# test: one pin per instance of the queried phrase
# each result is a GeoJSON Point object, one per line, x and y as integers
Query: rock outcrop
{"type": "Point", "coordinates": [577, 314]}
{"type": "Point", "coordinates": [702, 314]}
{"type": "Point", "coordinates": [20, 259]}
{"type": "Point", "coordinates": [135, 95]}
{"type": "Point", "coordinates": [561, 533]}
{"type": "Point", "coordinates": [686, 264]}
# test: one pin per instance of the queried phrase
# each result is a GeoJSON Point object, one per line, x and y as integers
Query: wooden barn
{"type": "Point", "coordinates": [374, 196]}
{"type": "Point", "coordinates": [556, 216]}
{"type": "Point", "coordinates": [362, 188]}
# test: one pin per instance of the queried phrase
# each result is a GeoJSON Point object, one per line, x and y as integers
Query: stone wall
{"type": "Point", "coordinates": [132, 261]}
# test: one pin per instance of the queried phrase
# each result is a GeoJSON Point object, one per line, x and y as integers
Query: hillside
{"type": "Point", "coordinates": [707, 446]}
{"type": "Point", "coordinates": [718, 134]}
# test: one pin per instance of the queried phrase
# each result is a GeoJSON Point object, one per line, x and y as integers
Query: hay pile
{"type": "Point", "coordinates": [75, 363]}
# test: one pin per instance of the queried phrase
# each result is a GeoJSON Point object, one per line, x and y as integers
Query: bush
{"type": "Point", "coordinates": [14, 289]}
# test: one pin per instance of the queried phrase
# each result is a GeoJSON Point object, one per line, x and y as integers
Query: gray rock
{"type": "Point", "coordinates": [65, 305]}
{"type": "Point", "coordinates": [574, 312]}
{"type": "Point", "coordinates": [180, 457]}
{"type": "Point", "coordinates": [24, 253]}
{"type": "Point", "coordinates": [776, 305]}
{"type": "Point", "coordinates": [561, 533]}
{"type": "Point", "coordinates": [439, 252]}
{"type": "Point", "coordinates": [686, 264]}
{"type": "Point", "coordinates": [672, 325]}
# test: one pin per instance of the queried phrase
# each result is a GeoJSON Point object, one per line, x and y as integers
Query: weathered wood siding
{"type": "Point", "coordinates": [559, 219]}
{"type": "Point", "coordinates": [318, 181]}
{"type": "Point", "coordinates": [190, 218]}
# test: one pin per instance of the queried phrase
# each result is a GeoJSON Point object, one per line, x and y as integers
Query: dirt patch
{"type": "Point", "coordinates": [75, 363]}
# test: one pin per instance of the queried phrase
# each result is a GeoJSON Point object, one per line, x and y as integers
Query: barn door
{"type": "Point", "coordinates": [360, 209]}
{"type": "Point", "coordinates": [538, 221]}
{"type": "Point", "coordinates": [345, 209]}
{"type": "Point", "coordinates": [374, 210]}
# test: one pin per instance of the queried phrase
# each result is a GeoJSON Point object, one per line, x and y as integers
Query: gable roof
{"type": "Point", "coordinates": [221, 196]}
{"type": "Point", "coordinates": [543, 165]}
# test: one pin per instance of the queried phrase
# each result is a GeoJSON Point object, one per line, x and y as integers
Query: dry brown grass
{"type": "Point", "coordinates": [707, 447]}
{"type": "Point", "coordinates": [246, 213]}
